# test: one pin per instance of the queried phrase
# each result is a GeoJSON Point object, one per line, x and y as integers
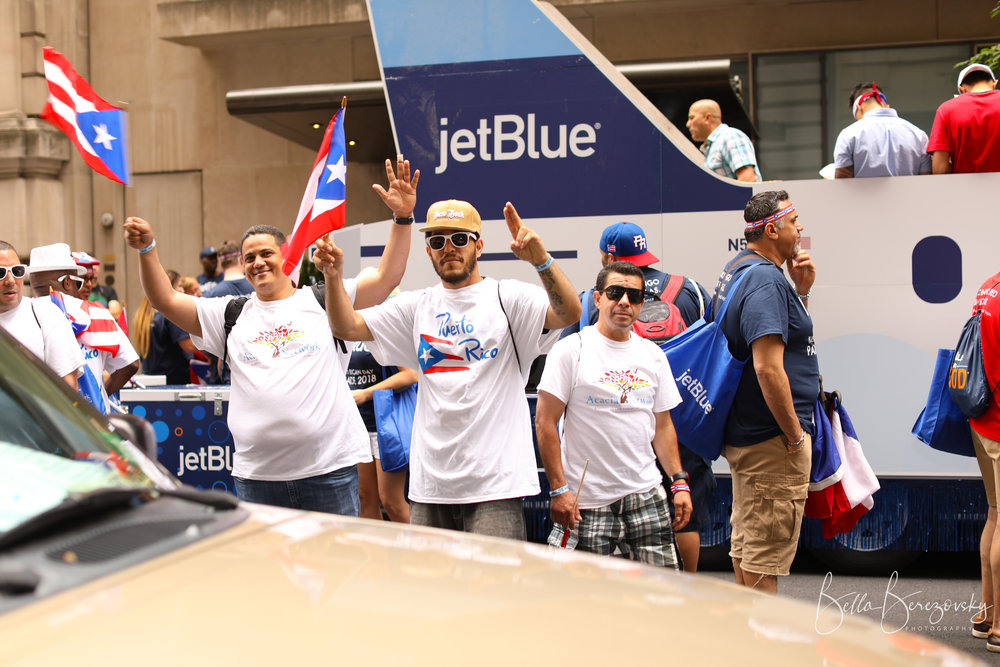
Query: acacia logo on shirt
{"type": "Point", "coordinates": [625, 381]}
{"type": "Point", "coordinates": [277, 337]}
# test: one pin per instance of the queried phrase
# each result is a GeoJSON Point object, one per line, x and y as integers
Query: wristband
{"type": "Point", "coordinates": [403, 221]}
{"type": "Point", "coordinates": [544, 265]}
{"type": "Point", "coordinates": [678, 487]}
{"type": "Point", "coordinates": [802, 438]}
{"type": "Point", "coordinates": [143, 251]}
{"type": "Point", "coordinates": [680, 476]}
{"type": "Point", "coordinates": [806, 295]}
{"type": "Point", "coordinates": [558, 492]}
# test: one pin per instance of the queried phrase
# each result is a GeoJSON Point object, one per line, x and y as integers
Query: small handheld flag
{"type": "Point", "coordinates": [322, 207]}
{"type": "Point", "coordinates": [94, 126]}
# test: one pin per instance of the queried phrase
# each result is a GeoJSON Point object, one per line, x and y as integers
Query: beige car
{"type": "Point", "coordinates": [106, 560]}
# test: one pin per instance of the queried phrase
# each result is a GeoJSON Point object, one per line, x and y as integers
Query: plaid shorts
{"type": "Point", "coordinates": [638, 525]}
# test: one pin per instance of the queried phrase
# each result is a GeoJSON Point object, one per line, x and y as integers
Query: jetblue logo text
{"type": "Point", "coordinates": [697, 390]}
{"type": "Point", "coordinates": [212, 457]}
{"type": "Point", "coordinates": [513, 137]}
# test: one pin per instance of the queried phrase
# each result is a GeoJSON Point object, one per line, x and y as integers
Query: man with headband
{"type": "Point", "coordinates": [879, 142]}
{"type": "Point", "coordinates": [768, 437]}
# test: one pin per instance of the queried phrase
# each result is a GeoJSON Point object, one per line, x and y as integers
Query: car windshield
{"type": "Point", "coordinates": [54, 446]}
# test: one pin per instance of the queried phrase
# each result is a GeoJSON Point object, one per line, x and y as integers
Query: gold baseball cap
{"type": "Point", "coordinates": [453, 214]}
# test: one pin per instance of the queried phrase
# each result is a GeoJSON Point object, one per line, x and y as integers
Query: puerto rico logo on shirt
{"type": "Point", "coordinates": [277, 338]}
{"type": "Point", "coordinates": [625, 382]}
{"type": "Point", "coordinates": [433, 359]}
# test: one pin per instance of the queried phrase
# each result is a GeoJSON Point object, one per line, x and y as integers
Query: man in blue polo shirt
{"type": "Point", "coordinates": [768, 437]}
{"type": "Point", "coordinates": [879, 142]}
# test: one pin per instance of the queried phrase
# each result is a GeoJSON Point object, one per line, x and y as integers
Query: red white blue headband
{"type": "Point", "coordinates": [771, 218]}
{"type": "Point", "coordinates": [861, 99]}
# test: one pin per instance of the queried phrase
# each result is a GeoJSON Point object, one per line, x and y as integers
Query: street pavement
{"type": "Point", "coordinates": [935, 596]}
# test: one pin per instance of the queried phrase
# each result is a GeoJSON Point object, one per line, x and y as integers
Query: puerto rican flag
{"type": "Point", "coordinates": [322, 207]}
{"type": "Point", "coordinates": [432, 359]}
{"type": "Point", "coordinates": [92, 323]}
{"type": "Point", "coordinates": [842, 484]}
{"type": "Point", "coordinates": [94, 126]}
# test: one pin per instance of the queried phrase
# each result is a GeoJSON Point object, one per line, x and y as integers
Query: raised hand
{"type": "Point", "coordinates": [401, 197]}
{"type": "Point", "coordinates": [138, 233]}
{"type": "Point", "coordinates": [328, 258]}
{"type": "Point", "coordinates": [526, 244]}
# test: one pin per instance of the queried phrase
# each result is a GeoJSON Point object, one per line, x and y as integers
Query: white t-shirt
{"type": "Point", "coordinates": [471, 431]}
{"type": "Point", "coordinates": [290, 411]}
{"type": "Point", "coordinates": [612, 390]}
{"type": "Point", "coordinates": [60, 351]}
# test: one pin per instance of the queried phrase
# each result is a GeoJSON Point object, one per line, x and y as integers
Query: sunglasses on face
{"type": "Point", "coordinates": [458, 239]}
{"type": "Point", "coordinates": [616, 292]}
{"type": "Point", "coordinates": [77, 279]}
{"type": "Point", "coordinates": [18, 271]}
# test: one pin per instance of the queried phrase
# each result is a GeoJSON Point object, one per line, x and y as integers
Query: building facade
{"type": "Point", "coordinates": [227, 99]}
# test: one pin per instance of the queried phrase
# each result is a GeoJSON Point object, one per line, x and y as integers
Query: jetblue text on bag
{"type": "Point", "coordinates": [707, 377]}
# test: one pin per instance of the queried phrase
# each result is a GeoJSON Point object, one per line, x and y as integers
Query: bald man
{"type": "Point", "coordinates": [728, 152]}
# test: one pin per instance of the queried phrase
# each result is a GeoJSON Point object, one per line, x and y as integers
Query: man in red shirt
{"type": "Point", "coordinates": [965, 137]}
{"type": "Point", "coordinates": [986, 439]}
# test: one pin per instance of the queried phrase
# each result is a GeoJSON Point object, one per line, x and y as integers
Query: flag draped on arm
{"type": "Point", "coordinates": [93, 325]}
{"type": "Point", "coordinates": [94, 126]}
{"type": "Point", "coordinates": [322, 207]}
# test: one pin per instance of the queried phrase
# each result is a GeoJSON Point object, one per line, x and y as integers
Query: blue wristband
{"type": "Point", "coordinates": [143, 251]}
{"type": "Point", "coordinates": [544, 265]}
{"type": "Point", "coordinates": [558, 492]}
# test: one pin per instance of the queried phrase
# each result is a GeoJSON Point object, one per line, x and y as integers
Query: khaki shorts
{"type": "Point", "coordinates": [988, 455]}
{"type": "Point", "coordinates": [770, 485]}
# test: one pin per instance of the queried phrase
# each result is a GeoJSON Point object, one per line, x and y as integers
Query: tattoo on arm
{"type": "Point", "coordinates": [549, 283]}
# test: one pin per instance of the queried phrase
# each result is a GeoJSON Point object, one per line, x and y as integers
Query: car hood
{"type": "Point", "coordinates": [288, 585]}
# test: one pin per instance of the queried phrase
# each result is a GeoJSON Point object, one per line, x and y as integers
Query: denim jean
{"type": "Point", "coordinates": [335, 492]}
{"type": "Point", "coordinates": [498, 518]}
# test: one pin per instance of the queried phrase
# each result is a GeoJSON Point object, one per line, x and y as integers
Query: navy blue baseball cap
{"type": "Point", "coordinates": [627, 242]}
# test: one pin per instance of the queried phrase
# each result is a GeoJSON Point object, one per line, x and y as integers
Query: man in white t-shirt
{"type": "Point", "coordinates": [473, 340]}
{"type": "Point", "coordinates": [297, 433]}
{"type": "Point", "coordinates": [36, 323]}
{"type": "Point", "coordinates": [105, 347]}
{"type": "Point", "coordinates": [615, 390]}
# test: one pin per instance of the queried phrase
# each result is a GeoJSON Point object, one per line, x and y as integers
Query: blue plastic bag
{"type": "Point", "coordinates": [394, 419]}
{"type": "Point", "coordinates": [707, 376]}
{"type": "Point", "coordinates": [941, 423]}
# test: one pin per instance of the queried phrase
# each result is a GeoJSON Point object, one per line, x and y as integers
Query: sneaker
{"type": "Point", "coordinates": [993, 644]}
{"type": "Point", "coordinates": [981, 630]}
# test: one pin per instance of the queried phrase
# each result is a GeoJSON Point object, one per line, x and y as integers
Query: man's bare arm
{"type": "Point", "coordinates": [564, 304]}
{"type": "Point", "coordinates": [345, 322]}
{"type": "Point", "coordinates": [179, 308]}
{"type": "Point", "coordinates": [768, 363]}
{"type": "Point", "coordinates": [941, 162]}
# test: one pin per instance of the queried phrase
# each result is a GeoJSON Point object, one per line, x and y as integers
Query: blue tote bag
{"type": "Point", "coordinates": [707, 376]}
{"type": "Point", "coordinates": [394, 419]}
{"type": "Point", "coordinates": [941, 423]}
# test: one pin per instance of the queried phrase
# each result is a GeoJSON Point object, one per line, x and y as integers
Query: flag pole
{"type": "Point", "coordinates": [576, 501]}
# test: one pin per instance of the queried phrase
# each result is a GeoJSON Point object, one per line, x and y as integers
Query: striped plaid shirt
{"type": "Point", "coordinates": [727, 150]}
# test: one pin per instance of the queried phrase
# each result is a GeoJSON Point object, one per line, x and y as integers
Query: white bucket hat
{"type": "Point", "coordinates": [55, 257]}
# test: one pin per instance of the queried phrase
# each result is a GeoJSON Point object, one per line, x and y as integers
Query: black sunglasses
{"type": "Point", "coordinates": [18, 271]}
{"type": "Point", "coordinates": [616, 292]}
